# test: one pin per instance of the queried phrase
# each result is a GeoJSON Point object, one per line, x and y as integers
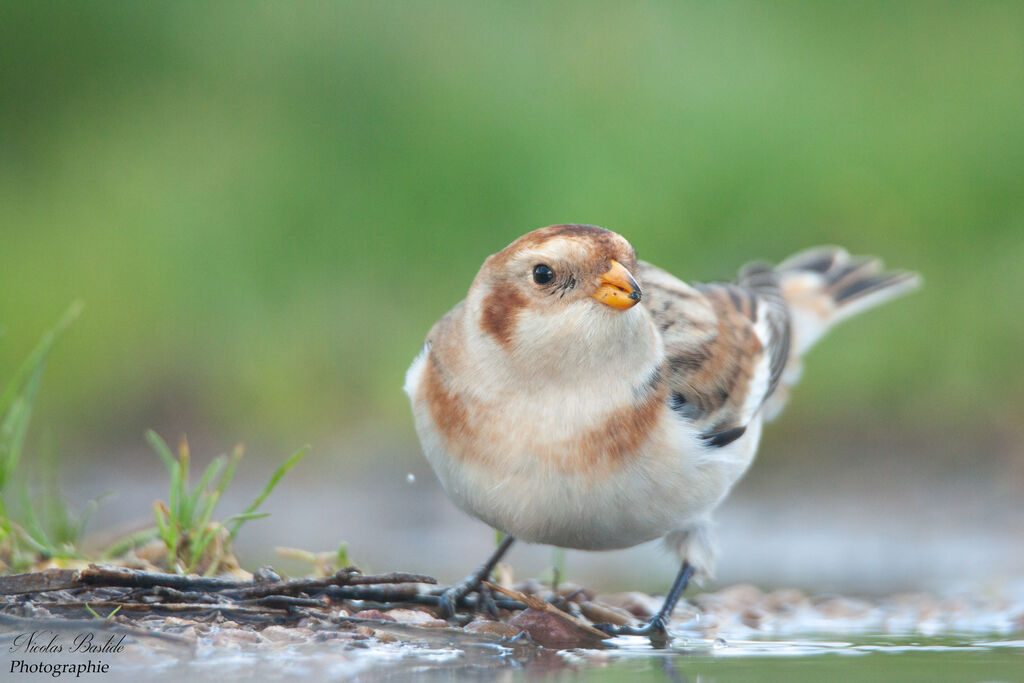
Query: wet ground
{"type": "Point", "coordinates": [735, 634]}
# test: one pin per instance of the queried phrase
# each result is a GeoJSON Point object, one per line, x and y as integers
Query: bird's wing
{"type": "Point", "coordinates": [726, 345]}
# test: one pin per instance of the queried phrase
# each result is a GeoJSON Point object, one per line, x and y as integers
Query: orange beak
{"type": "Point", "coordinates": [618, 288]}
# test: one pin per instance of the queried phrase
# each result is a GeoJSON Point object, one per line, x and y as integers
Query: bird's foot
{"type": "Point", "coordinates": [451, 598]}
{"type": "Point", "coordinates": [656, 629]}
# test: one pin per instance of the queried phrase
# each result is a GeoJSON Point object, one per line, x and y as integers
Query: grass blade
{"type": "Point", "coordinates": [38, 354]}
{"type": "Point", "coordinates": [163, 450]}
{"type": "Point", "coordinates": [278, 474]}
{"type": "Point", "coordinates": [131, 542]}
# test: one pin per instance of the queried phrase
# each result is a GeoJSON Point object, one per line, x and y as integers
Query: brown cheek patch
{"type": "Point", "coordinates": [500, 309]}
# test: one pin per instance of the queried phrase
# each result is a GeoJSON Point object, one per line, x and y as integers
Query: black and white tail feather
{"type": "Point", "coordinates": [815, 290]}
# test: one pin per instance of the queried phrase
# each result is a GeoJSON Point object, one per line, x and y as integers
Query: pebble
{"type": "Point", "coordinates": [785, 600]}
{"type": "Point", "coordinates": [384, 636]}
{"type": "Point", "coordinates": [752, 617]}
{"type": "Point", "coordinates": [837, 607]}
{"type": "Point", "coordinates": [636, 603]}
{"type": "Point", "coordinates": [493, 628]}
{"type": "Point", "coordinates": [578, 593]}
{"type": "Point", "coordinates": [416, 618]}
{"type": "Point", "coordinates": [735, 598]}
{"type": "Point", "coordinates": [325, 636]}
{"type": "Point", "coordinates": [266, 574]}
{"type": "Point", "coordinates": [550, 630]}
{"type": "Point", "coordinates": [372, 614]}
{"type": "Point", "coordinates": [241, 635]}
{"type": "Point", "coordinates": [600, 613]}
{"type": "Point", "coordinates": [279, 634]}
{"type": "Point", "coordinates": [530, 586]}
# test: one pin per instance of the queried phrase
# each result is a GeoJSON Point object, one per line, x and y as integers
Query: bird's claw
{"type": "Point", "coordinates": [485, 602]}
{"type": "Point", "coordinates": [448, 600]}
{"type": "Point", "coordinates": [656, 629]}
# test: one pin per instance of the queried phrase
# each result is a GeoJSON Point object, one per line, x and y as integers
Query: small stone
{"type": "Point", "coordinates": [530, 587]}
{"type": "Point", "coordinates": [493, 628]}
{"type": "Point", "coordinates": [785, 600]}
{"type": "Point", "coordinates": [740, 596]}
{"type": "Point", "coordinates": [326, 636]}
{"type": "Point", "coordinates": [752, 617]}
{"type": "Point", "coordinates": [838, 607]}
{"type": "Point", "coordinates": [280, 634]}
{"type": "Point", "coordinates": [600, 613]}
{"type": "Point", "coordinates": [372, 614]}
{"type": "Point", "coordinates": [550, 630]}
{"type": "Point", "coordinates": [578, 593]}
{"type": "Point", "coordinates": [416, 618]}
{"type": "Point", "coordinates": [266, 574]}
{"type": "Point", "coordinates": [241, 635]}
{"type": "Point", "coordinates": [189, 632]}
{"type": "Point", "coordinates": [384, 636]}
{"type": "Point", "coordinates": [638, 604]}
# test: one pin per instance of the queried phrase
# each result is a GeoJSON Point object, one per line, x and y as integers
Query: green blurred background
{"type": "Point", "coordinates": [265, 206]}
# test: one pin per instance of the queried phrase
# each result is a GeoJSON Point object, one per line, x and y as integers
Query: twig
{"type": "Point", "coordinates": [393, 577]}
{"type": "Point", "coordinates": [175, 607]}
{"type": "Point", "coordinates": [96, 575]}
{"type": "Point", "coordinates": [344, 577]}
{"type": "Point", "coordinates": [39, 582]}
{"type": "Point", "coordinates": [288, 601]}
{"type": "Point", "coordinates": [156, 592]}
{"type": "Point", "coordinates": [385, 596]}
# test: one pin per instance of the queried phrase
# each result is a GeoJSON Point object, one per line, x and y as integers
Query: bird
{"type": "Point", "coordinates": [581, 398]}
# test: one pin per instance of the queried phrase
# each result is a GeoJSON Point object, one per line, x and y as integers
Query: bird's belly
{"type": "Point", "coordinates": [613, 501]}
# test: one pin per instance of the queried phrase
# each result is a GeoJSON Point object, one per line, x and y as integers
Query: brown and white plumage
{"type": "Point", "coordinates": [559, 412]}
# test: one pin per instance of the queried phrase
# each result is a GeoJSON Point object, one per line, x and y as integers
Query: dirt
{"type": "Point", "coordinates": [362, 639]}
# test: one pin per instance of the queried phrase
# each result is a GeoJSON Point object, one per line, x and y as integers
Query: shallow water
{"type": "Point", "coordinates": [737, 634]}
{"type": "Point", "coordinates": [824, 658]}
{"type": "Point", "coordinates": [882, 658]}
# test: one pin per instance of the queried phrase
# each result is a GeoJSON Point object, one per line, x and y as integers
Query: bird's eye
{"type": "Point", "coordinates": [542, 274]}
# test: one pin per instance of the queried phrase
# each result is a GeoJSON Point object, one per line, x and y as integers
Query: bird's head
{"type": "Point", "coordinates": [563, 289]}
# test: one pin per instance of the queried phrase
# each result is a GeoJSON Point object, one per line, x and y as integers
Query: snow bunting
{"type": "Point", "coordinates": [581, 398]}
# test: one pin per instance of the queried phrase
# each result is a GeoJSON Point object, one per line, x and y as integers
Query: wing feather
{"type": "Point", "coordinates": [726, 345]}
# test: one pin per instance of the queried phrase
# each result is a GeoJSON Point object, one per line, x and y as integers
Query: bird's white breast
{"type": "Point", "coordinates": [531, 482]}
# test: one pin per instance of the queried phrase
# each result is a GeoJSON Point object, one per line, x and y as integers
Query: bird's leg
{"type": "Point", "coordinates": [449, 599]}
{"type": "Point", "coordinates": [657, 627]}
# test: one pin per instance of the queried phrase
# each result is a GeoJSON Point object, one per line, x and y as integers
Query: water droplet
{"type": "Point", "coordinates": [719, 643]}
{"type": "Point", "coordinates": [411, 478]}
